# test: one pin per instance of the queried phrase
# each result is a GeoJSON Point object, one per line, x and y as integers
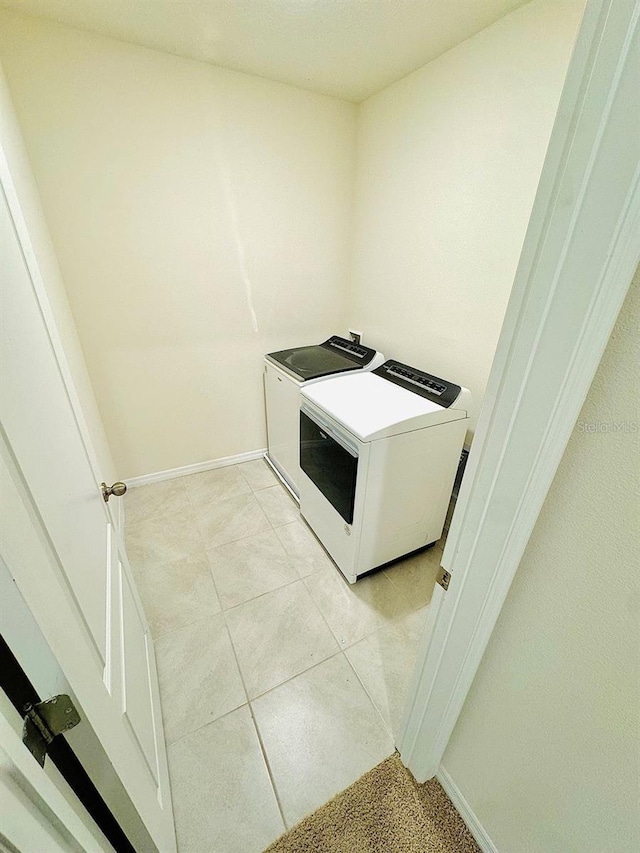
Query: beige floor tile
{"type": "Point", "coordinates": [353, 611]}
{"type": "Point", "coordinates": [222, 795]}
{"type": "Point", "coordinates": [384, 663]}
{"type": "Point", "coordinates": [158, 541]}
{"type": "Point", "coordinates": [416, 576]}
{"type": "Point", "coordinates": [278, 636]}
{"type": "Point", "coordinates": [258, 474]}
{"type": "Point", "coordinates": [250, 567]}
{"type": "Point", "coordinates": [307, 554]}
{"type": "Point", "coordinates": [176, 594]}
{"type": "Point", "coordinates": [321, 733]}
{"type": "Point", "coordinates": [231, 519]}
{"type": "Point", "coordinates": [157, 500]}
{"type": "Point", "coordinates": [218, 484]}
{"type": "Point", "coordinates": [134, 544]}
{"type": "Point", "coordinates": [278, 505]}
{"type": "Point", "coordinates": [198, 674]}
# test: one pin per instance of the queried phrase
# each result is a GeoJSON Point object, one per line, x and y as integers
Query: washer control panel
{"type": "Point", "coordinates": [437, 390]}
{"type": "Point", "coordinates": [350, 349]}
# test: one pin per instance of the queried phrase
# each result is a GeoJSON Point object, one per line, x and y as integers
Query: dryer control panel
{"type": "Point", "coordinates": [431, 387]}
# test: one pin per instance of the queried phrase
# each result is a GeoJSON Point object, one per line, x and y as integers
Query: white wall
{"type": "Point", "coordinates": [547, 748]}
{"type": "Point", "coordinates": [448, 164]}
{"type": "Point", "coordinates": [26, 191]}
{"type": "Point", "coordinates": [200, 218]}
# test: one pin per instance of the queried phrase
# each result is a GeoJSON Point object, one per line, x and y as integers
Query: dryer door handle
{"type": "Point", "coordinates": [331, 430]}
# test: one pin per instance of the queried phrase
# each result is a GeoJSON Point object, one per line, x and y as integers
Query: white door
{"type": "Point", "coordinates": [60, 541]}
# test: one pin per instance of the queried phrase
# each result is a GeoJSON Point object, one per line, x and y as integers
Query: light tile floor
{"type": "Point", "coordinates": [281, 684]}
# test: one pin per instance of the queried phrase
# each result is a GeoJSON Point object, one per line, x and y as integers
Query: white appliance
{"type": "Point", "coordinates": [285, 373]}
{"type": "Point", "coordinates": [379, 453]}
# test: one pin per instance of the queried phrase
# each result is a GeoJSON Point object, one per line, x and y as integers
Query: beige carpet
{"type": "Point", "coordinates": [385, 811]}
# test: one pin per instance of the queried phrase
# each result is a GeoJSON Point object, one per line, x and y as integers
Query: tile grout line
{"type": "Point", "coordinates": [254, 722]}
{"type": "Point", "coordinates": [370, 698]}
{"type": "Point", "coordinates": [289, 557]}
{"type": "Point", "coordinates": [250, 701]}
{"type": "Point", "coordinates": [297, 675]}
{"type": "Point", "coordinates": [343, 652]}
{"type": "Point", "coordinates": [246, 695]}
{"type": "Point", "coordinates": [239, 466]}
{"type": "Point", "coordinates": [194, 510]}
{"type": "Point", "coordinates": [275, 526]}
{"type": "Point", "coordinates": [322, 616]}
{"type": "Point", "coordinates": [291, 677]}
{"type": "Point", "coordinates": [195, 529]}
{"type": "Point", "coordinates": [315, 603]}
{"type": "Point", "coordinates": [207, 618]}
{"type": "Point", "coordinates": [256, 597]}
{"type": "Point", "coordinates": [204, 725]}
{"type": "Point", "coordinates": [337, 639]}
{"type": "Point", "coordinates": [263, 750]}
{"type": "Point", "coordinates": [265, 758]}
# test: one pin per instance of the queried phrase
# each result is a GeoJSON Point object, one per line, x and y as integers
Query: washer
{"type": "Point", "coordinates": [285, 373]}
{"type": "Point", "coordinates": [378, 454]}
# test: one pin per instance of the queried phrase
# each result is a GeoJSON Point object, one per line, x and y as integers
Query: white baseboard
{"type": "Point", "coordinates": [466, 812]}
{"type": "Point", "coordinates": [196, 468]}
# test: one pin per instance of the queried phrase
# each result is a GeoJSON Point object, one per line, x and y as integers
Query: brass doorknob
{"type": "Point", "coordinates": [118, 489]}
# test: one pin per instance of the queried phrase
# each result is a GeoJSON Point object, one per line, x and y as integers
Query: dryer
{"type": "Point", "coordinates": [378, 454]}
{"type": "Point", "coordinates": [289, 370]}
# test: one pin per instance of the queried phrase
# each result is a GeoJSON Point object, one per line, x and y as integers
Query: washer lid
{"type": "Point", "coordinates": [370, 407]}
{"type": "Point", "coordinates": [335, 355]}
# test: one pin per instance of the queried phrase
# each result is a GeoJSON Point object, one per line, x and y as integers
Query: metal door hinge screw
{"type": "Point", "coordinates": [443, 578]}
{"type": "Point", "coordinates": [46, 720]}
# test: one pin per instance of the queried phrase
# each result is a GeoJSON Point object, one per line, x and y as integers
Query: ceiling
{"type": "Point", "coordinates": [346, 48]}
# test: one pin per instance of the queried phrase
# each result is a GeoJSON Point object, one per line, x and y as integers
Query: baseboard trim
{"type": "Point", "coordinates": [466, 812]}
{"type": "Point", "coordinates": [196, 468]}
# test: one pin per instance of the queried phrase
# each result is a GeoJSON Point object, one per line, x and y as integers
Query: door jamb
{"type": "Point", "coordinates": [578, 258]}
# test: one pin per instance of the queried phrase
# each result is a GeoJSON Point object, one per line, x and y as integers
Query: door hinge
{"type": "Point", "coordinates": [44, 720]}
{"type": "Point", "coordinates": [443, 578]}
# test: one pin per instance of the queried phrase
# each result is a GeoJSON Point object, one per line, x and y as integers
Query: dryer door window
{"type": "Point", "coordinates": [329, 464]}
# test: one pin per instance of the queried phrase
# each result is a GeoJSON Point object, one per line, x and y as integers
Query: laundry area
{"type": "Point", "coordinates": [287, 595]}
{"type": "Point", "coordinates": [288, 287]}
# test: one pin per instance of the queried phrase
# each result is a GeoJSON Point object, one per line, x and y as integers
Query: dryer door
{"type": "Point", "coordinates": [330, 462]}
